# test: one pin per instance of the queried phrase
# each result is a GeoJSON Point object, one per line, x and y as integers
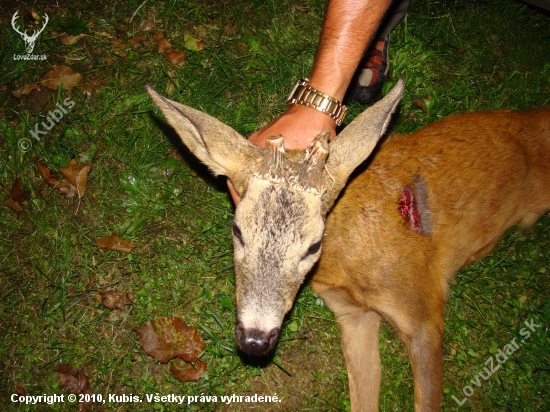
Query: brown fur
{"type": "Point", "coordinates": [428, 204]}
{"type": "Point", "coordinates": [482, 173]}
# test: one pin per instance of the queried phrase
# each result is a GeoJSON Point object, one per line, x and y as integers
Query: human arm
{"type": "Point", "coordinates": [349, 26]}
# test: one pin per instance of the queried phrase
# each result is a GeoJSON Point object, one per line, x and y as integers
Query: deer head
{"type": "Point", "coordinates": [279, 223]}
{"type": "Point", "coordinates": [29, 40]}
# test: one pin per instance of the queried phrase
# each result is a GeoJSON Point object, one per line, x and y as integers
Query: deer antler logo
{"type": "Point", "coordinates": [29, 40]}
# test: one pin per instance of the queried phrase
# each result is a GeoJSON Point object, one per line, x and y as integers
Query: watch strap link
{"type": "Point", "coordinates": [304, 94]}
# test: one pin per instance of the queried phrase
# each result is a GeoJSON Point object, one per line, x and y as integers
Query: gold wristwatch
{"type": "Point", "coordinates": [306, 95]}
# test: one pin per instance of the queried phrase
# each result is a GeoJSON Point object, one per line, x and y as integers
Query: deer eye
{"type": "Point", "coordinates": [237, 232]}
{"type": "Point", "coordinates": [314, 248]}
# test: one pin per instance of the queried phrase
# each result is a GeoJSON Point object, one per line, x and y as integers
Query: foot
{"type": "Point", "coordinates": [366, 86]}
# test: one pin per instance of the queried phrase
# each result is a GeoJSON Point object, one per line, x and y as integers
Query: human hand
{"type": "Point", "coordinates": [299, 125]}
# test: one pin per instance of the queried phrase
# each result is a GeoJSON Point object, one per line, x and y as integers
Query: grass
{"type": "Point", "coordinates": [179, 217]}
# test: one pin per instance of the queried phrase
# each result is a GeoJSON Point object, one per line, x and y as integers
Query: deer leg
{"type": "Point", "coordinates": [359, 330]}
{"type": "Point", "coordinates": [424, 343]}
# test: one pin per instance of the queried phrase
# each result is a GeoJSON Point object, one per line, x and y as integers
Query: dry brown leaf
{"type": "Point", "coordinates": [175, 57]}
{"type": "Point", "coordinates": [15, 201]}
{"type": "Point", "coordinates": [138, 39]}
{"type": "Point", "coordinates": [20, 388]}
{"type": "Point", "coordinates": [77, 175]}
{"type": "Point", "coordinates": [48, 176]}
{"type": "Point", "coordinates": [172, 84]}
{"type": "Point", "coordinates": [114, 242]}
{"type": "Point", "coordinates": [61, 75]}
{"type": "Point", "coordinates": [25, 90]}
{"type": "Point", "coordinates": [175, 154]}
{"type": "Point", "coordinates": [114, 299]}
{"type": "Point", "coordinates": [75, 382]}
{"type": "Point", "coordinates": [119, 47]}
{"type": "Point", "coordinates": [187, 372]}
{"type": "Point", "coordinates": [162, 43]}
{"type": "Point", "coordinates": [67, 39]}
{"type": "Point", "coordinates": [166, 338]}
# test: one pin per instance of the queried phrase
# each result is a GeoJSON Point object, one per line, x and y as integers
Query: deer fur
{"type": "Point", "coordinates": [426, 205]}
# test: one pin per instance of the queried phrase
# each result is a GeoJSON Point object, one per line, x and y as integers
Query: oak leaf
{"type": "Point", "coordinates": [114, 242]}
{"type": "Point", "coordinates": [166, 338]}
{"type": "Point", "coordinates": [61, 75]}
{"type": "Point", "coordinates": [187, 372]}
{"type": "Point", "coordinates": [75, 382]}
{"type": "Point", "coordinates": [77, 175]}
{"type": "Point", "coordinates": [25, 90]}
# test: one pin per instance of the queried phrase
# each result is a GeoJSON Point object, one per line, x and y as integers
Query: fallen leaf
{"type": "Point", "coordinates": [114, 242]}
{"type": "Point", "coordinates": [166, 338]}
{"type": "Point", "coordinates": [119, 47]}
{"type": "Point", "coordinates": [74, 382]}
{"type": "Point", "coordinates": [15, 201]}
{"type": "Point", "coordinates": [67, 39]}
{"type": "Point", "coordinates": [162, 43]}
{"type": "Point", "coordinates": [25, 90]}
{"type": "Point", "coordinates": [77, 175]}
{"type": "Point", "coordinates": [114, 299]}
{"type": "Point", "coordinates": [187, 372]}
{"type": "Point", "coordinates": [61, 75]}
{"type": "Point", "coordinates": [175, 154]}
{"type": "Point", "coordinates": [146, 25]}
{"type": "Point", "coordinates": [20, 388]}
{"type": "Point", "coordinates": [48, 176]}
{"type": "Point", "coordinates": [137, 40]}
{"type": "Point", "coordinates": [192, 43]}
{"type": "Point", "coordinates": [175, 57]}
{"type": "Point", "coordinates": [172, 84]}
{"type": "Point", "coordinates": [424, 104]}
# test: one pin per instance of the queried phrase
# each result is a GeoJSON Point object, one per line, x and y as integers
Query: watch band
{"type": "Point", "coordinates": [306, 95]}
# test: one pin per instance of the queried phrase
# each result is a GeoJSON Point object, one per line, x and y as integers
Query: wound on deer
{"type": "Point", "coordinates": [408, 206]}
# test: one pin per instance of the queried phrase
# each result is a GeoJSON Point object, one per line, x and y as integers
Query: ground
{"type": "Point", "coordinates": [236, 60]}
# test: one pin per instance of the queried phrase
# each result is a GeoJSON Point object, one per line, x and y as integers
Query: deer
{"type": "Point", "coordinates": [29, 40]}
{"type": "Point", "coordinates": [423, 206]}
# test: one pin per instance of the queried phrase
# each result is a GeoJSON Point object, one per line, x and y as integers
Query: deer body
{"type": "Point", "coordinates": [427, 204]}
{"type": "Point", "coordinates": [474, 176]}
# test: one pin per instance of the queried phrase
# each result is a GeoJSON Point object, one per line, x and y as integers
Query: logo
{"type": "Point", "coordinates": [29, 40]}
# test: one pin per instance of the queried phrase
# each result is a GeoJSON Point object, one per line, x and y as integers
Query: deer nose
{"type": "Point", "coordinates": [254, 341]}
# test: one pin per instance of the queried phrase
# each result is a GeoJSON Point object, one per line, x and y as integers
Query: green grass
{"type": "Point", "coordinates": [179, 217]}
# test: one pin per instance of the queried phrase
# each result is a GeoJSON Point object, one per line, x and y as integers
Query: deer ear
{"type": "Point", "coordinates": [217, 145]}
{"type": "Point", "coordinates": [356, 142]}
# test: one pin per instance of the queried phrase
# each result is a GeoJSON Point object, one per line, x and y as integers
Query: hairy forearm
{"type": "Point", "coordinates": [348, 29]}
